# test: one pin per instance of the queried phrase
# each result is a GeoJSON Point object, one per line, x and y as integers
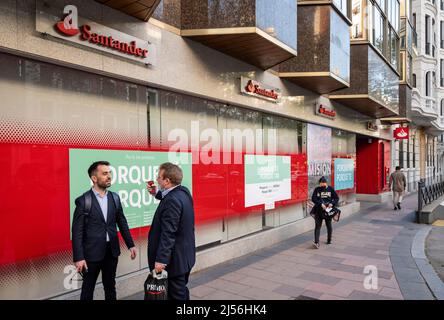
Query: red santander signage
{"type": "Point", "coordinates": [254, 88]}
{"type": "Point", "coordinates": [401, 133]}
{"type": "Point", "coordinates": [325, 111]}
{"type": "Point", "coordinates": [88, 33]}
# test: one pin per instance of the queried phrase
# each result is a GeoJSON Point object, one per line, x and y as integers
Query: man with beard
{"type": "Point", "coordinates": [94, 233]}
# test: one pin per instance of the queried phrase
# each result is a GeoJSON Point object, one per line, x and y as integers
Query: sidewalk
{"type": "Point", "coordinates": [294, 270]}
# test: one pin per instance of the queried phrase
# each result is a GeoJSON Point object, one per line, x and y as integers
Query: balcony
{"type": "Point", "coordinates": [424, 109]}
{"type": "Point", "coordinates": [323, 61]}
{"type": "Point", "coordinates": [405, 106]}
{"type": "Point", "coordinates": [260, 32]}
{"type": "Point", "coordinates": [437, 127]}
{"type": "Point", "coordinates": [374, 85]}
{"type": "Point", "coordinates": [141, 9]}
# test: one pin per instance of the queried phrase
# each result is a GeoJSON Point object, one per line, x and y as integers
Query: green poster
{"type": "Point", "coordinates": [267, 179]}
{"type": "Point", "coordinates": [130, 170]}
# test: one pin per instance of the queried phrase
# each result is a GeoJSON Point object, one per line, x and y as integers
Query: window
{"type": "Point", "coordinates": [428, 84]}
{"type": "Point", "coordinates": [442, 108]}
{"type": "Point", "coordinates": [378, 29]}
{"type": "Point", "coordinates": [441, 32]}
{"type": "Point", "coordinates": [393, 14]}
{"type": "Point", "coordinates": [441, 5]}
{"type": "Point", "coordinates": [441, 67]}
{"type": "Point", "coordinates": [414, 80]}
{"type": "Point", "coordinates": [394, 43]}
{"type": "Point", "coordinates": [357, 19]}
{"type": "Point", "coordinates": [414, 152]}
{"type": "Point", "coordinates": [341, 5]}
{"type": "Point", "coordinates": [427, 34]}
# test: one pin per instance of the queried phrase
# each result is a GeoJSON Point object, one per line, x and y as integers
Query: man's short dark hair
{"type": "Point", "coordinates": [322, 180]}
{"type": "Point", "coordinates": [93, 168]}
{"type": "Point", "coordinates": [398, 168]}
{"type": "Point", "coordinates": [172, 172]}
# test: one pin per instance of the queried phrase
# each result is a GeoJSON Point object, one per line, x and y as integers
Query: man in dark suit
{"type": "Point", "coordinates": [94, 233]}
{"type": "Point", "coordinates": [171, 242]}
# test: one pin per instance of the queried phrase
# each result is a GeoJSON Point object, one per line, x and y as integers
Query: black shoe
{"type": "Point", "coordinates": [329, 242]}
{"type": "Point", "coordinates": [399, 205]}
{"type": "Point", "coordinates": [395, 208]}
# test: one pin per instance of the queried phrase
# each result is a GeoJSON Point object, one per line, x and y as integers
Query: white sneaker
{"type": "Point", "coordinates": [316, 245]}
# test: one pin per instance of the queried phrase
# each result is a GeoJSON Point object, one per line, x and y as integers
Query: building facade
{"type": "Point", "coordinates": [321, 85]}
{"type": "Point", "coordinates": [419, 155]}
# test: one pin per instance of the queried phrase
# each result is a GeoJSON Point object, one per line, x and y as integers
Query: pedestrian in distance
{"type": "Point", "coordinates": [325, 200]}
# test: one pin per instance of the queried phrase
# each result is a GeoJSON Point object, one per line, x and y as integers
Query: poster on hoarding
{"type": "Point", "coordinates": [318, 154]}
{"type": "Point", "coordinates": [130, 170]}
{"type": "Point", "coordinates": [344, 174]}
{"type": "Point", "coordinates": [267, 180]}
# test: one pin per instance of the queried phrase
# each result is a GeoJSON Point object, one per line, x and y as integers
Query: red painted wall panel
{"type": "Point", "coordinates": [35, 197]}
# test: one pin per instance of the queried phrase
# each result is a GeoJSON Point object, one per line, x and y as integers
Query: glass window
{"type": "Point", "coordinates": [441, 78]}
{"type": "Point", "coordinates": [378, 29]}
{"type": "Point", "coordinates": [357, 19]}
{"type": "Point", "coordinates": [428, 82]}
{"type": "Point", "coordinates": [427, 34]}
{"type": "Point", "coordinates": [341, 5]}
{"type": "Point", "coordinates": [393, 14]}
{"type": "Point", "coordinates": [394, 42]}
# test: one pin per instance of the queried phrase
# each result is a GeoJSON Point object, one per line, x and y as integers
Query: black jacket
{"type": "Point", "coordinates": [89, 232]}
{"type": "Point", "coordinates": [325, 196]}
{"type": "Point", "coordinates": [171, 238]}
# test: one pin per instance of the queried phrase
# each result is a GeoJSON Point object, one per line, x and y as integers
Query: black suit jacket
{"type": "Point", "coordinates": [171, 238]}
{"type": "Point", "coordinates": [89, 233]}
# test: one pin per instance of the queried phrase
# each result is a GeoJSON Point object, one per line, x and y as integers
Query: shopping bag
{"type": "Point", "coordinates": [156, 286]}
{"type": "Point", "coordinates": [335, 214]}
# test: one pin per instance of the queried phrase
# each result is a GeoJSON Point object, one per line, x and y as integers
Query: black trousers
{"type": "Point", "coordinates": [177, 287]}
{"type": "Point", "coordinates": [108, 266]}
{"type": "Point", "coordinates": [318, 226]}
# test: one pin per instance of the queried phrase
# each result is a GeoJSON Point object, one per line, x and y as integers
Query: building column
{"type": "Point", "coordinates": [422, 154]}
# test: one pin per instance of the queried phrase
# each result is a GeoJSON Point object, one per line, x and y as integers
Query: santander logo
{"type": "Point", "coordinates": [255, 88]}
{"type": "Point", "coordinates": [69, 26]}
{"type": "Point", "coordinates": [401, 133]}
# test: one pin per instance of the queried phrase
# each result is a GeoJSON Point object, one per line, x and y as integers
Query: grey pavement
{"type": "Point", "coordinates": [377, 238]}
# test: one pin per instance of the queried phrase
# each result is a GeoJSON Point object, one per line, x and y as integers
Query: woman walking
{"type": "Point", "coordinates": [325, 199]}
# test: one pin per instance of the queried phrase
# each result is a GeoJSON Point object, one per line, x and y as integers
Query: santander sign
{"type": "Point", "coordinates": [102, 39]}
{"type": "Point", "coordinates": [401, 133]}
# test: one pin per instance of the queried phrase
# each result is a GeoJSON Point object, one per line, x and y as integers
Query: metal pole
{"type": "Point", "coordinates": [419, 211]}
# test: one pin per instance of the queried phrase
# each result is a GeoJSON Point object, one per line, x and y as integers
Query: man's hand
{"type": "Point", "coordinates": [81, 265]}
{"type": "Point", "coordinates": [151, 187]}
{"type": "Point", "coordinates": [133, 251]}
{"type": "Point", "coordinates": [330, 205]}
{"type": "Point", "coordinates": [159, 267]}
{"type": "Point", "coordinates": [324, 207]}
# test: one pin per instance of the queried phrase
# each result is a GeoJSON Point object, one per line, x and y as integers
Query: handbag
{"type": "Point", "coordinates": [335, 214]}
{"type": "Point", "coordinates": [156, 286]}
